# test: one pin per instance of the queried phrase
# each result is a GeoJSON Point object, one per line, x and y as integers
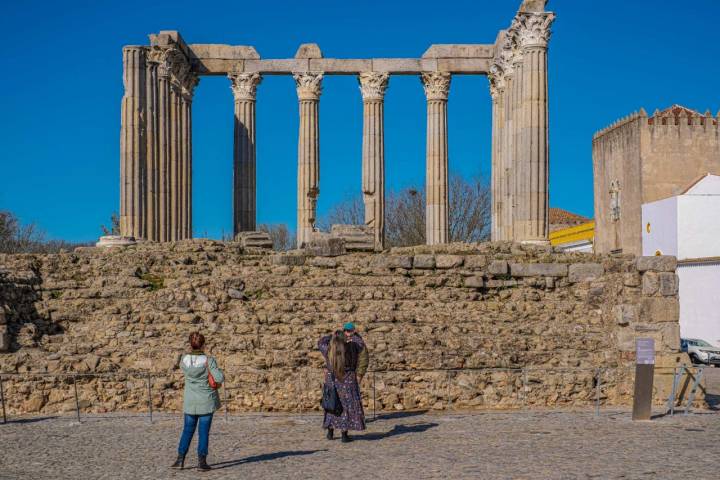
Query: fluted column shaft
{"type": "Point", "coordinates": [372, 87]}
{"type": "Point", "coordinates": [174, 163]}
{"type": "Point", "coordinates": [163, 133]}
{"type": "Point", "coordinates": [188, 166]}
{"type": "Point", "coordinates": [532, 219]}
{"type": "Point", "coordinates": [308, 90]}
{"type": "Point", "coordinates": [244, 87]}
{"type": "Point", "coordinates": [518, 183]}
{"type": "Point", "coordinates": [133, 147]}
{"type": "Point", "coordinates": [437, 86]}
{"type": "Point", "coordinates": [152, 153]}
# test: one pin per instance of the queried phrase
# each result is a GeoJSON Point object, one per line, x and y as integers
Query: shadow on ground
{"type": "Point", "coordinates": [397, 430]}
{"type": "Point", "coordinates": [396, 415]}
{"type": "Point", "coordinates": [29, 420]}
{"type": "Point", "coordinates": [263, 458]}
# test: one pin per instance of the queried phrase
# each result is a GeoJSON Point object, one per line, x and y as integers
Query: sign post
{"type": "Point", "coordinates": [644, 373]}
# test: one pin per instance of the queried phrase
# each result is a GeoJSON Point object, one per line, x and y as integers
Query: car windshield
{"type": "Point", "coordinates": [700, 343]}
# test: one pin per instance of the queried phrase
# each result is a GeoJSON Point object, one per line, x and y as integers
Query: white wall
{"type": "Point", "coordinates": [698, 226]}
{"type": "Point", "coordinates": [663, 237]}
{"type": "Point", "coordinates": [700, 301]}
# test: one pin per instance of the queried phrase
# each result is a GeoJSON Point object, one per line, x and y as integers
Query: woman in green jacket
{"type": "Point", "coordinates": [199, 400]}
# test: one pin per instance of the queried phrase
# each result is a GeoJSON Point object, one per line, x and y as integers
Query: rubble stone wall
{"type": "Point", "coordinates": [433, 317]}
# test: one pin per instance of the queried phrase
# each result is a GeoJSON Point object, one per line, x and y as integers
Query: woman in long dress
{"type": "Point", "coordinates": [341, 359]}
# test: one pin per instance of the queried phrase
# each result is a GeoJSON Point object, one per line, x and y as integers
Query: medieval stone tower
{"type": "Point", "coordinates": [640, 159]}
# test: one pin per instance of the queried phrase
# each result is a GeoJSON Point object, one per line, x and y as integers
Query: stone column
{"type": "Point", "coordinates": [372, 87]}
{"type": "Point", "coordinates": [183, 168]}
{"type": "Point", "coordinates": [152, 170]}
{"type": "Point", "coordinates": [188, 163]}
{"type": "Point", "coordinates": [244, 87]}
{"type": "Point", "coordinates": [437, 87]}
{"type": "Point", "coordinates": [174, 163]}
{"type": "Point", "coordinates": [133, 146]}
{"type": "Point", "coordinates": [533, 33]}
{"type": "Point", "coordinates": [497, 172]}
{"type": "Point", "coordinates": [163, 152]}
{"type": "Point", "coordinates": [518, 180]}
{"type": "Point", "coordinates": [308, 86]}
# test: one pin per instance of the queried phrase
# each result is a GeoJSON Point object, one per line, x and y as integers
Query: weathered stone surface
{"type": "Point", "coordinates": [285, 259]}
{"type": "Point", "coordinates": [669, 283]}
{"type": "Point", "coordinates": [659, 309]}
{"type": "Point", "coordinates": [475, 281]}
{"type": "Point", "coordinates": [498, 267]}
{"type": "Point", "coordinates": [659, 263]}
{"type": "Point", "coordinates": [424, 261]}
{"type": "Point", "coordinates": [650, 283]}
{"type": "Point", "coordinates": [357, 238]}
{"type": "Point", "coordinates": [325, 246]}
{"type": "Point", "coordinates": [114, 310]}
{"type": "Point", "coordinates": [583, 272]}
{"type": "Point", "coordinates": [115, 241]}
{"type": "Point", "coordinates": [448, 261]}
{"type": "Point", "coordinates": [308, 50]}
{"type": "Point", "coordinates": [254, 239]}
{"type": "Point", "coordinates": [538, 269]}
{"type": "Point", "coordinates": [625, 314]}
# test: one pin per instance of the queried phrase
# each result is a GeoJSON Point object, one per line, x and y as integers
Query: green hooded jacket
{"type": "Point", "coordinates": [199, 398]}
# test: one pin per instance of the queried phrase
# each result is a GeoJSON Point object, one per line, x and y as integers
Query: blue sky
{"type": "Point", "coordinates": [62, 83]}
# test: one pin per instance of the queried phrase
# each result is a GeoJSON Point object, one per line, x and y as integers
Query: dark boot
{"type": "Point", "coordinates": [202, 463]}
{"type": "Point", "coordinates": [346, 438]}
{"type": "Point", "coordinates": [330, 434]}
{"type": "Point", "coordinates": [179, 463]}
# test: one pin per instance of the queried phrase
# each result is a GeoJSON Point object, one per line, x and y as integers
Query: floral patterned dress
{"type": "Point", "coordinates": [353, 416]}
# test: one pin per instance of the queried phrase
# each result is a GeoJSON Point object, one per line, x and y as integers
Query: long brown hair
{"type": "Point", "coordinates": [336, 355]}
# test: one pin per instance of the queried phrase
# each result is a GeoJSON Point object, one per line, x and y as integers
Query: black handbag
{"type": "Point", "coordinates": [330, 398]}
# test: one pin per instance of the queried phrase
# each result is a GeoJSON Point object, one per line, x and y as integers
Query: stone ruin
{"type": "Point", "coordinates": [156, 130]}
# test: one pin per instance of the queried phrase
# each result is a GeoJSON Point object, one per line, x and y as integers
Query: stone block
{"type": "Point", "coordinates": [583, 272]}
{"type": "Point", "coordinates": [659, 309]}
{"type": "Point", "coordinates": [650, 283]}
{"type": "Point", "coordinates": [424, 261]}
{"type": "Point", "coordinates": [287, 259]}
{"type": "Point", "coordinates": [669, 283]}
{"type": "Point", "coordinates": [396, 65]}
{"type": "Point", "coordinates": [464, 65]}
{"type": "Point", "coordinates": [309, 50]}
{"type": "Point", "coordinates": [671, 336]}
{"type": "Point", "coordinates": [631, 279]}
{"type": "Point", "coordinates": [659, 263]}
{"type": "Point", "coordinates": [458, 50]}
{"type": "Point", "coordinates": [4, 339]}
{"type": "Point", "coordinates": [625, 314]}
{"type": "Point", "coordinates": [340, 65]}
{"type": "Point", "coordinates": [448, 261]}
{"type": "Point", "coordinates": [538, 269]}
{"type": "Point", "coordinates": [358, 238]}
{"type": "Point", "coordinates": [498, 267]}
{"type": "Point", "coordinates": [323, 262]}
{"type": "Point", "coordinates": [476, 262]}
{"type": "Point", "coordinates": [254, 239]}
{"type": "Point", "coordinates": [3, 316]}
{"type": "Point", "coordinates": [391, 261]}
{"type": "Point", "coordinates": [475, 281]}
{"type": "Point", "coordinates": [325, 245]}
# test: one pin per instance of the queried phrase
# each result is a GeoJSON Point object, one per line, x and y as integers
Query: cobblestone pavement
{"type": "Point", "coordinates": [518, 445]}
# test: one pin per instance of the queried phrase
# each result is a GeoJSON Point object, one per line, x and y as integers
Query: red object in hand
{"type": "Point", "coordinates": [211, 380]}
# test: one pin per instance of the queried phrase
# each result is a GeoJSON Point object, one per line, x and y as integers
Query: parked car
{"type": "Point", "coordinates": [700, 351]}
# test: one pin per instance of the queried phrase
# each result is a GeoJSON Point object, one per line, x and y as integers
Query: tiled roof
{"type": "Point", "coordinates": [675, 112]}
{"type": "Point", "coordinates": [558, 216]}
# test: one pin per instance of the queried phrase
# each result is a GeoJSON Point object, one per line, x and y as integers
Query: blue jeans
{"type": "Point", "coordinates": [191, 422]}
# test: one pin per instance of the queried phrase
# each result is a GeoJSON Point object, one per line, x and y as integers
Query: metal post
{"type": "Point", "coordinates": [226, 402]}
{"type": "Point", "coordinates": [374, 401]}
{"type": "Point", "coordinates": [149, 385]}
{"type": "Point", "coordinates": [2, 400]}
{"type": "Point", "coordinates": [77, 399]}
{"type": "Point", "coordinates": [598, 383]}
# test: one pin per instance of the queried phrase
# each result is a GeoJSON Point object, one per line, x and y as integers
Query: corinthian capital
{"type": "Point", "coordinates": [436, 85]}
{"type": "Point", "coordinates": [373, 85]}
{"type": "Point", "coordinates": [244, 85]}
{"type": "Point", "coordinates": [533, 29]}
{"type": "Point", "coordinates": [308, 85]}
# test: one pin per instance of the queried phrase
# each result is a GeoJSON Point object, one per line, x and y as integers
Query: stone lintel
{"type": "Point", "coordinates": [473, 51]}
{"type": "Point", "coordinates": [215, 51]}
{"type": "Point", "coordinates": [342, 66]}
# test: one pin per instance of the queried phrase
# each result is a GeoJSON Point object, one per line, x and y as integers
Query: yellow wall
{"type": "Point", "coordinates": [585, 231]}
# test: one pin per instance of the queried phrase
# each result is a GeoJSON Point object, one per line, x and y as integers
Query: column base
{"type": "Point", "coordinates": [535, 242]}
{"type": "Point", "coordinates": [115, 241]}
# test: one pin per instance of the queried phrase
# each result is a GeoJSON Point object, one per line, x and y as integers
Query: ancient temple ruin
{"type": "Point", "coordinates": [156, 132]}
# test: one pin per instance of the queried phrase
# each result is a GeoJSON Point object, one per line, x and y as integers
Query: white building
{"type": "Point", "coordinates": [688, 226]}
